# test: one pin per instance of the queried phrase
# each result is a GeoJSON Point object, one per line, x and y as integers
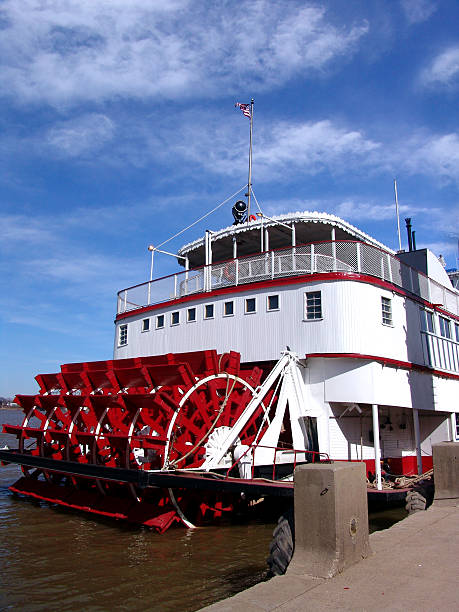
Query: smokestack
{"type": "Point", "coordinates": [408, 229]}
{"type": "Point", "coordinates": [413, 236]}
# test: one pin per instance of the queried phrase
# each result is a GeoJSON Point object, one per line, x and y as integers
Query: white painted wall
{"type": "Point", "coordinates": [352, 323]}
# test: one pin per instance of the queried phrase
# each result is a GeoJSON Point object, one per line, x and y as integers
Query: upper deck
{"type": "Point", "coordinates": [351, 271]}
{"type": "Point", "coordinates": [331, 259]}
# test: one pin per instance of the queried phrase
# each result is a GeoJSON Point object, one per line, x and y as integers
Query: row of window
{"type": "Point", "coordinates": [250, 307]}
{"type": "Point", "coordinates": [313, 310]}
{"type": "Point", "coordinates": [447, 328]}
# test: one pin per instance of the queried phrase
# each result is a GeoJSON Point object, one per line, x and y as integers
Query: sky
{"type": "Point", "coordinates": [118, 128]}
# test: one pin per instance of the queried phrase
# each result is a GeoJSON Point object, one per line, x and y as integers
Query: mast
{"type": "Point", "coordinates": [398, 216]}
{"type": "Point", "coordinates": [249, 182]}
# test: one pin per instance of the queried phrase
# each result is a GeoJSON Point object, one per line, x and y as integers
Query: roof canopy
{"type": "Point", "coordinates": [309, 227]}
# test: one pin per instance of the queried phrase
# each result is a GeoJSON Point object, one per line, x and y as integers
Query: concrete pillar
{"type": "Point", "coordinates": [446, 473]}
{"type": "Point", "coordinates": [331, 518]}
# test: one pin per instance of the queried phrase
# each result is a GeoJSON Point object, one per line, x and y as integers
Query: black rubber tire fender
{"type": "Point", "coordinates": [282, 544]}
{"type": "Point", "coordinates": [415, 502]}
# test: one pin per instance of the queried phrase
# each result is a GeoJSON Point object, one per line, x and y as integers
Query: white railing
{"type": "Point", "coordinates": [439, 352]}
{"type": "Point", "coordinates": [320, 257]}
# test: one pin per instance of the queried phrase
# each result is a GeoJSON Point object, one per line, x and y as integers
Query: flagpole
{"type": "Point", "coordinates": [398, 216]}
{"type": "Point", "coordinates": [249, 182]}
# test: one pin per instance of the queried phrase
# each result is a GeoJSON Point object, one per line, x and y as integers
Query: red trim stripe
{"type": "Point", "coordinates": [393, 363]}
{"type": "Point", "coordinates": [281, 282]}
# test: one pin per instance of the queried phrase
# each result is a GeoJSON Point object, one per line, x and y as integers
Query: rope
{"type": "Point", "coordinates": [201, 218]}
{"type": "Point", "coordinates": [256, 201]}
{"type": "Point", "coordinates": [401, 482]}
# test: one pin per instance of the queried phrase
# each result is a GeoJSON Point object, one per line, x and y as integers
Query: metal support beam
{"type": "Point", "coordinates": [375, 414]}
{"type": "Point", "coordinates": [417, 439]}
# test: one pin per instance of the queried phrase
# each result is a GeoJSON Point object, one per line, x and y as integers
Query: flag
{"type": "Point", "coordinates": [245, 108]}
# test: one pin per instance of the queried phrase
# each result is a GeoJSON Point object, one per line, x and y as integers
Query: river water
{"type": "Point", "coordinates": [54, 559]}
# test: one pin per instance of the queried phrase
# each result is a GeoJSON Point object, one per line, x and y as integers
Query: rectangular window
{"type": "Point", "coordinates": [273, 302]}
{"type": "Point", "coordinates": [313, 305]}
{"type": "Point", "coordinates": [123, 335]}
{"type": "Point", "coordinates": [159, 321]}
{"type": "Point", "coordinates": [175, 318]}
{"type": "Point", "coordinates": [445, 327]}
{"type": "Point", "coordinates": [228, 309]}
{"type": "Point", "coordinates": [250, 305]}
{"type": "Point", "coordinates": [427, 321]}
{"type": "Point", "coordinates": [146, 325]}
{"type": "Point", "coordinates": [456, 325]}
{"type": "Point", "coordinates": [191, 315]}
{"type": "Point", "coordinates": [386, 306]}
{"type": "Point", "coordinates": [209, 311]}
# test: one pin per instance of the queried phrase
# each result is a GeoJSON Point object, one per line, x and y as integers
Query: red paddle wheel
{"type": "Point", "coordinates": [147, 413]}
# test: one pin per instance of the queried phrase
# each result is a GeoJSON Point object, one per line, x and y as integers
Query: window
{"type": "Point", "coordinates": [250, 305]}
{"type": "Point", "coordinates": [209, 311]}
{"type": "Point", "coordinates": [273, 302]}
{"type": "Point", "coordinates": [175, 318]}
{"type": "Point", "coordinates": [427, 321]}
{"type": "Point", "coordinates": [159, 321]}
{"type": "Point", "coordinates": [228, 309]}
{"type": "Point", "coordinates": [146, 325]}
{"type": "Point", "coordinates": [456, 325]}
{"type": "Point", "coordinates": [191, 315]}
{"type": "Point", "coordinates": [123, 335]}
{"type": "Point", "coordinates": [386, 306]}
{"type": "Point", "coordinates": [313, 305]}
{"type": "Point", "coordinates": [445, 327]}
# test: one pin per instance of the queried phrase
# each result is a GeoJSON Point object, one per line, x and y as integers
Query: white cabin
{"type": "Point", "coordinates": [377, 332]}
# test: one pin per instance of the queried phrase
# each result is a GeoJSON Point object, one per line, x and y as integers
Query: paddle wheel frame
{"type": "Point", "coordinates": [115, 437]}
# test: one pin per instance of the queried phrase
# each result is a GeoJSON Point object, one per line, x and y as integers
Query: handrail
{"type": "Point", "coordinates": [275, 449]}
{"type": "Point", "coordinates": [343, 256]}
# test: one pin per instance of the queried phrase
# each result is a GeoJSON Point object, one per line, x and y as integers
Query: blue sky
{"type": "Point", "coordinates": [118, 128]}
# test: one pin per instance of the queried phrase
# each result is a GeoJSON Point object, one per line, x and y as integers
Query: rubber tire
{"type": "Point", "coordinates": [415, 502]}
{"type": "Point", "coordinates": [282, 544]}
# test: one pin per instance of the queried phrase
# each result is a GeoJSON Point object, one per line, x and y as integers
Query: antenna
{"type": "Point", "coordinates": [398, 216]}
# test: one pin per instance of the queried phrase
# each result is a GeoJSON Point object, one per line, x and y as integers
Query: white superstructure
{"type": "Point", "coordinates": [377, 332]}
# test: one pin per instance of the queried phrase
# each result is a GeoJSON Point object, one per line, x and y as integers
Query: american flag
{"type": "Point", "coordinates": [245, 108]}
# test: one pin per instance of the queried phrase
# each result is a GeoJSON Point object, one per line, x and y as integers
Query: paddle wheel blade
{"type": "Point", "coordinates": [147, 413]}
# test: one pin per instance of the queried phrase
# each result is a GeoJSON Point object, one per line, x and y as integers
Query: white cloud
{"type": "Point", "coordinates": [417, 11]}
{"type": "Point", "coordinates": [63, 52]}
{"type": "Point", "coordinates": [80, 135]}
{"type": "Point", "coordinates": [282, 149]}
{"type": "Point", "coordinates": [358, 210]}
{"type": "Point", "coordinates": [436, 155]}
{"type": "Point", "coordinates": [311, 148]}
{"type": "Point", "coordinates": [24, 230]}
{"type": "Point", "coordinates": [443, 70]}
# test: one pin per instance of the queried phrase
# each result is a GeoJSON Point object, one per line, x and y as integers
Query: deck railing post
{"type": "Point", "coordinates": [272, 264]}
{"type": "Point", "coordinates": [333, 241]}
{"type": "Point", "coordinates": [359, 264]}
{"type": "Point", "coordinates": [313, 266]}
{"type": "Point", "coordinates": [236, 271]}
